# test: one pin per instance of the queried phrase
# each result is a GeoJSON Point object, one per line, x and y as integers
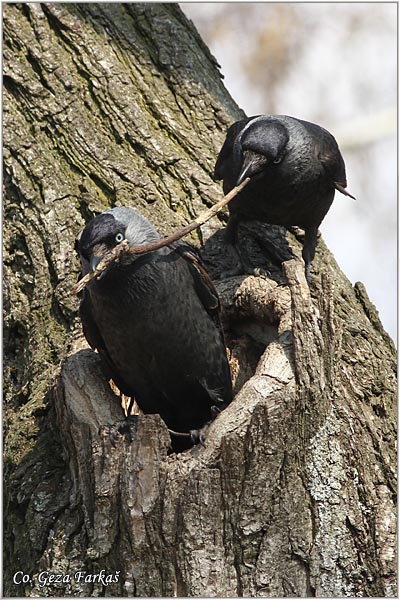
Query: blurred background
{"type": "Point", "coordinates": [334, 64]}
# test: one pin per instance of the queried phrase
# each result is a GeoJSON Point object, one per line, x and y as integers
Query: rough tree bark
{"type": "Point", "coordinates": [294, 492]}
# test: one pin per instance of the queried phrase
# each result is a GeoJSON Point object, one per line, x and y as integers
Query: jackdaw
{"type": "Point", "coordinates": [155, 321]}
{"type": "Point", "coordinates": [295, 167]}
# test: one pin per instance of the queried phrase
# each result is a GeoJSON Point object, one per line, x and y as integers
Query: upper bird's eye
{"type": "Point", "coordinates": [277, 160]}
{"type": "Point", "coordinates": [119, 237]}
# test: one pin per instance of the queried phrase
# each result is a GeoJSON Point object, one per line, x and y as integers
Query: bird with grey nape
{"type": "Point", "coordinates": [155, 321]}
{"type": "Point", "coordinates": [294, 168]}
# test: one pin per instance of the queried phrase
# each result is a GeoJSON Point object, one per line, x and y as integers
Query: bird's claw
{"type": "Point", "coordinates": [198, 436]}
{"type": "Point", "coordinates": [259, 272]}
{"type": "Point", "coordinates": [298, 232]}
{"type": "Point", "coordinates": [244, 269]}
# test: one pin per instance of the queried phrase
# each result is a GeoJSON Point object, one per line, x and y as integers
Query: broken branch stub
{"type": "Point", "coordinates": [124, 248]}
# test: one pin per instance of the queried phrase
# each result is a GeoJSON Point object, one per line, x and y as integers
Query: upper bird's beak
{"type": "Point", "coordinates": [245, 172]}
{"type": "Point", "coordinates": [94, 261]}
{"type": "Point", "coordinates": [252, 164]}
{"type": "Point", "coordinates": [98, 253]}
{"type": "Point", "coordinates": [343, 190]}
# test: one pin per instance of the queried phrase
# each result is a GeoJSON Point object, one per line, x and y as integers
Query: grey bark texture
{"type": "Point", "coordinates": [294, 492]}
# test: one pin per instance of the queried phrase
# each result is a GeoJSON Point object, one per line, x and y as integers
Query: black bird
{"type": "Point", "coordinates": [295, 167]}
{"type": "Point", "coordinates": [154, 320]}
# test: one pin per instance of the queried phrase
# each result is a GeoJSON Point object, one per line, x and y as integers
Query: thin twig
{"type": "Point", "coordinates": [112, 256]}
{"type": "Point", "coordinates": [124, 248]}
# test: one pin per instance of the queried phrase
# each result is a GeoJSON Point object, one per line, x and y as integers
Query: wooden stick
{"type": "Point", "coordinates": [124, 248]}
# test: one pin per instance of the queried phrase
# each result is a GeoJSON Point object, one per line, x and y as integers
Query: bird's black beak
{"type": "Point", "coordinates": [252, 165]}
{"type": "Point", "coordinates": [94, 261]}
{"type": "Point", "coordinates": [99, 251]}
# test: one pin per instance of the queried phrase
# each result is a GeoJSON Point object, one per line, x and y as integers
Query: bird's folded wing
{"type": "Point", "coordinates": [96, 342]}
{"type": "Point", "coordinates": [203, 285]}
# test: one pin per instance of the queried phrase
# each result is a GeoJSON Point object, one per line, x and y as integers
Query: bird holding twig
{"type": "Point", "coordinates": [154, 319]}
{"type": "Point", "coordinates": [294, 168]}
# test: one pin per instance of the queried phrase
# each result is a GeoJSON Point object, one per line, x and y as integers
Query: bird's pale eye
{"type": "Point", "coordinates": [119, 237]}
{"type": "Point", "coordinates": [277, 160]}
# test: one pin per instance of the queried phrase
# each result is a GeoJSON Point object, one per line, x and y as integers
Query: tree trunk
{"type": "Point", "coordinates": [294, 491]}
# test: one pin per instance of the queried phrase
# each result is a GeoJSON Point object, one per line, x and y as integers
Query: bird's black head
{"type": "Point", "coordinates": [109, 229]}
{"type": "Point", "coordinates": [103, 229]}
{"type": "Point", "coordinates": [261, 144]}
{"type": "Point", "coordinates": [99, 236]}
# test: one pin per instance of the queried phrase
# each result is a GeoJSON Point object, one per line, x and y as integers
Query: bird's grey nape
{"type": "Point", "coordinates": [138, 229]}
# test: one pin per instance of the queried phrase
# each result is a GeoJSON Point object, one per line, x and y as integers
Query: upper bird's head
{"type": "Point", "coordinates": [259, 145]}
{"type": "Point", "coordinates": [109, 229]}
